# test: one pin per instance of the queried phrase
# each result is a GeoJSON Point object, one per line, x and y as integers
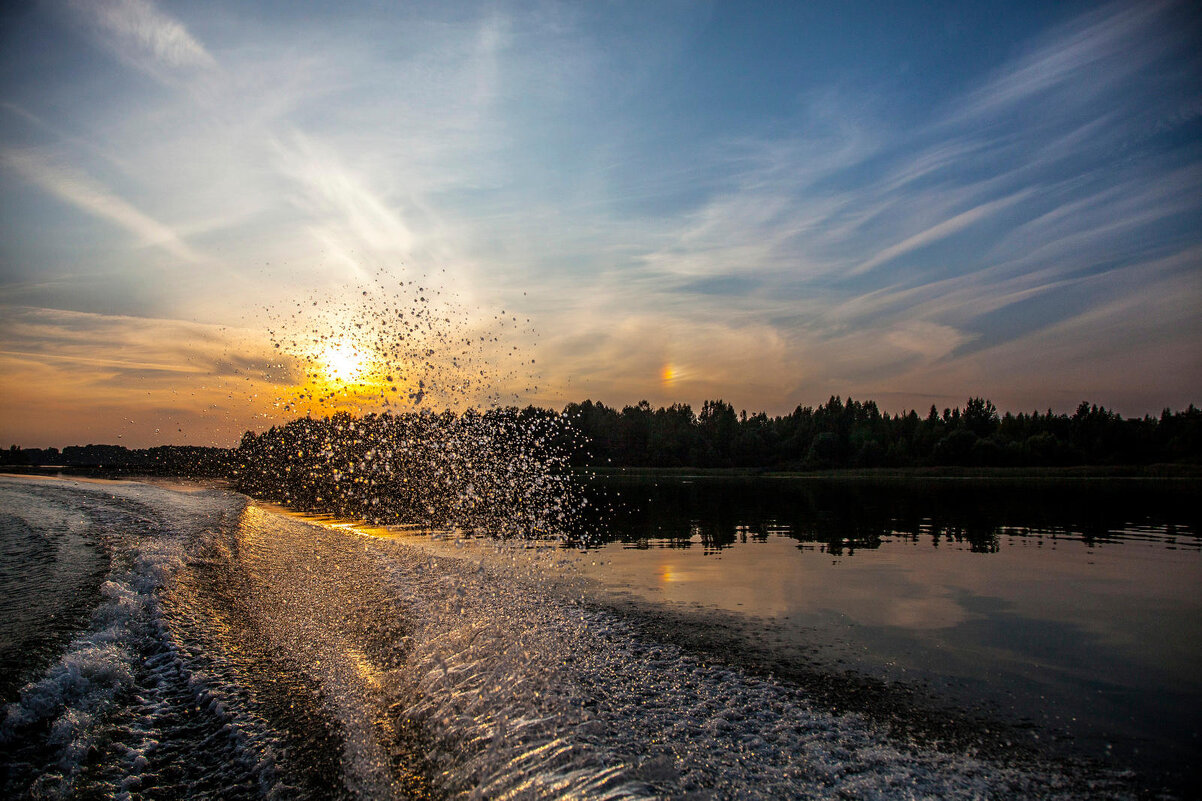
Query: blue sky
{"type": "Point", "coordinates": [769, 203]}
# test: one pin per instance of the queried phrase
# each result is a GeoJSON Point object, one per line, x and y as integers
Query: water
{"type": "Point", "coordinates": [1070, 607]}
{"type": "Point", "coordinates": [50, 572]}
{"type": "Point", "coordinates": [233, 650]}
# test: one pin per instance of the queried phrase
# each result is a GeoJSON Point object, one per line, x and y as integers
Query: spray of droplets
{"type": "Point", "coordinates": [397, 345]}
{"type": "Point", "coordinates": [502, 472]}
{"type": "Point", "coordinates": [373, 371]}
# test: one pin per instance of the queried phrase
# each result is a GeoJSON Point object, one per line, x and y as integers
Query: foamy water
{"type": "Point", "coordinates": [239, 652]}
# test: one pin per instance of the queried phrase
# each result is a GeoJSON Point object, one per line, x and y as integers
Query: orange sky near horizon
{"type": "Point", "coordinates": [72, 378]}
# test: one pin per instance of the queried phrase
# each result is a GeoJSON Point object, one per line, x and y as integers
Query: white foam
{"type": "Point", "coordinates": [95, 694]}
{"type": "Point", "coordinates": [528, 693]}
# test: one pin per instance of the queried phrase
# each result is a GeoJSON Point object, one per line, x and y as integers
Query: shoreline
{"type": "Point", "coordinates": [1149, 472]}
{"type": "Point", "coordinates": [1153, 472]}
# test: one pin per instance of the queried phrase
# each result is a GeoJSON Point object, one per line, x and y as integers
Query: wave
{"type": "Point", "coordinates": [531, 691]}
{"type": "Point", "coordinates": [242, 652]}
{"type": "Point", "coordinates": [95, 723]}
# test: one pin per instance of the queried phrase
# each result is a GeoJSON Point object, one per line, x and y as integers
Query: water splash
{"type": "Point", "coordinates": [503, 472]}
{"type": "Point", "coordinates": [376, 366]}
{"type": "Point", "coordinates": [396, 345]}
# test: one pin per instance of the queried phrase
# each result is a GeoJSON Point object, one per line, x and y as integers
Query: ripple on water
{"type": "Point", "coordinates": [240, 653]}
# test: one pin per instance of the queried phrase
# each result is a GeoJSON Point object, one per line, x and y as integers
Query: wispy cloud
{"type": "Point", "coordinates": [143, 35]}
{"type": "Point", "coordinates": [929, 340]}
{"type": "Point", "coordinates": [940, 231]}
{"type": "Point", "coordinates": [91, 197]}
{"type": "Point", "coordinates": [345, 212]}
{"type": "Point", "coordinates": [1035, 184]}
{"type": "Point", "coordinates": [142, 380]}
{"type": "Point", "coordinates": [1085, 56]}
{"type": "Point", "coordinates": [814, 242]}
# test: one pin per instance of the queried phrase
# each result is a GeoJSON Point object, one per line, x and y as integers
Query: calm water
{"type": "Point", "coordinates": [1074, 605]}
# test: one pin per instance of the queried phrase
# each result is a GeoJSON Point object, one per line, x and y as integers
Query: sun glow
{"type": "Point", "coordinates": [344, 362]}
{"type": "Point", "coordinates": [390, 349]}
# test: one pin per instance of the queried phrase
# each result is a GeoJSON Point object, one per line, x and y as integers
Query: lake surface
{"type": "Point", "coordinates": [723, 639]}
{"type": "Point", "coordinates": [1072, 606]}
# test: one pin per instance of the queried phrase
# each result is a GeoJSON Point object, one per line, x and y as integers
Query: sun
{"type": "Point", "coordinates": [344, 362]}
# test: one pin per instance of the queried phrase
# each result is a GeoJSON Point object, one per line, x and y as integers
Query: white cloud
{"type": "Point", "coordinates": [929, 340]}
{"type": "Point", "coordinates": [442, 140]}
{"type": "Point", "coordinates": [89, 196]}
{"type": "Point", "coordinates": [347, 214]}
{"type": "Point", "coordinates": [940, 231]}
{"type": "Point", "coordinates": [144, 35]}
{"type": "Point", "coordinates": [1088, 54]}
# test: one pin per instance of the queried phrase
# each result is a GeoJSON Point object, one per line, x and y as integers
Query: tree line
{"type": "Point", "coordinates": [854, 434]}
{"type": "Point", "coordinates": [165, 460]}
{"type": "Point", "coordinates": [834, 435]}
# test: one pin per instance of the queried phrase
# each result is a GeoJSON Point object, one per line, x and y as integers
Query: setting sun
{"type": "Point", "coordinates": [344, 362]}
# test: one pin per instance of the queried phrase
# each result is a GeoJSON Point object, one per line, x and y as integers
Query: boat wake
{"type": "Point", "coordinates": [240, 651]}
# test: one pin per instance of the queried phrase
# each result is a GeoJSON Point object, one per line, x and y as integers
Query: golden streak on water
{"type": "Point", "coordinates": [364, 668]}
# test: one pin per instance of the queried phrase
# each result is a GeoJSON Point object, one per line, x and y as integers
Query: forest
{"type": "Point", "coordinates": [163, 460]}
{"type": "Point", "coordinates": [834, 435]}
{"type": "Point", "coordinates": [854, 434]}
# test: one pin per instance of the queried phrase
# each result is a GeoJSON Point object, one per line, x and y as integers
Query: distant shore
{"type": "Point", "coordinates": [1153, 471]}
{"type": "Point", "coordinates": [113, 473]}
{"type": "Point", "coordinates": [1176, 472]}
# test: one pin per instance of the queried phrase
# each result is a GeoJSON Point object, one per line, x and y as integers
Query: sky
{"type": "Point", "coordinates": [769, 203]}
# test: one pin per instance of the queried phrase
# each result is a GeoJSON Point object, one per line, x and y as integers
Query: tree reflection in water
{"type": "Point", "coordinates": [845, 515]}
